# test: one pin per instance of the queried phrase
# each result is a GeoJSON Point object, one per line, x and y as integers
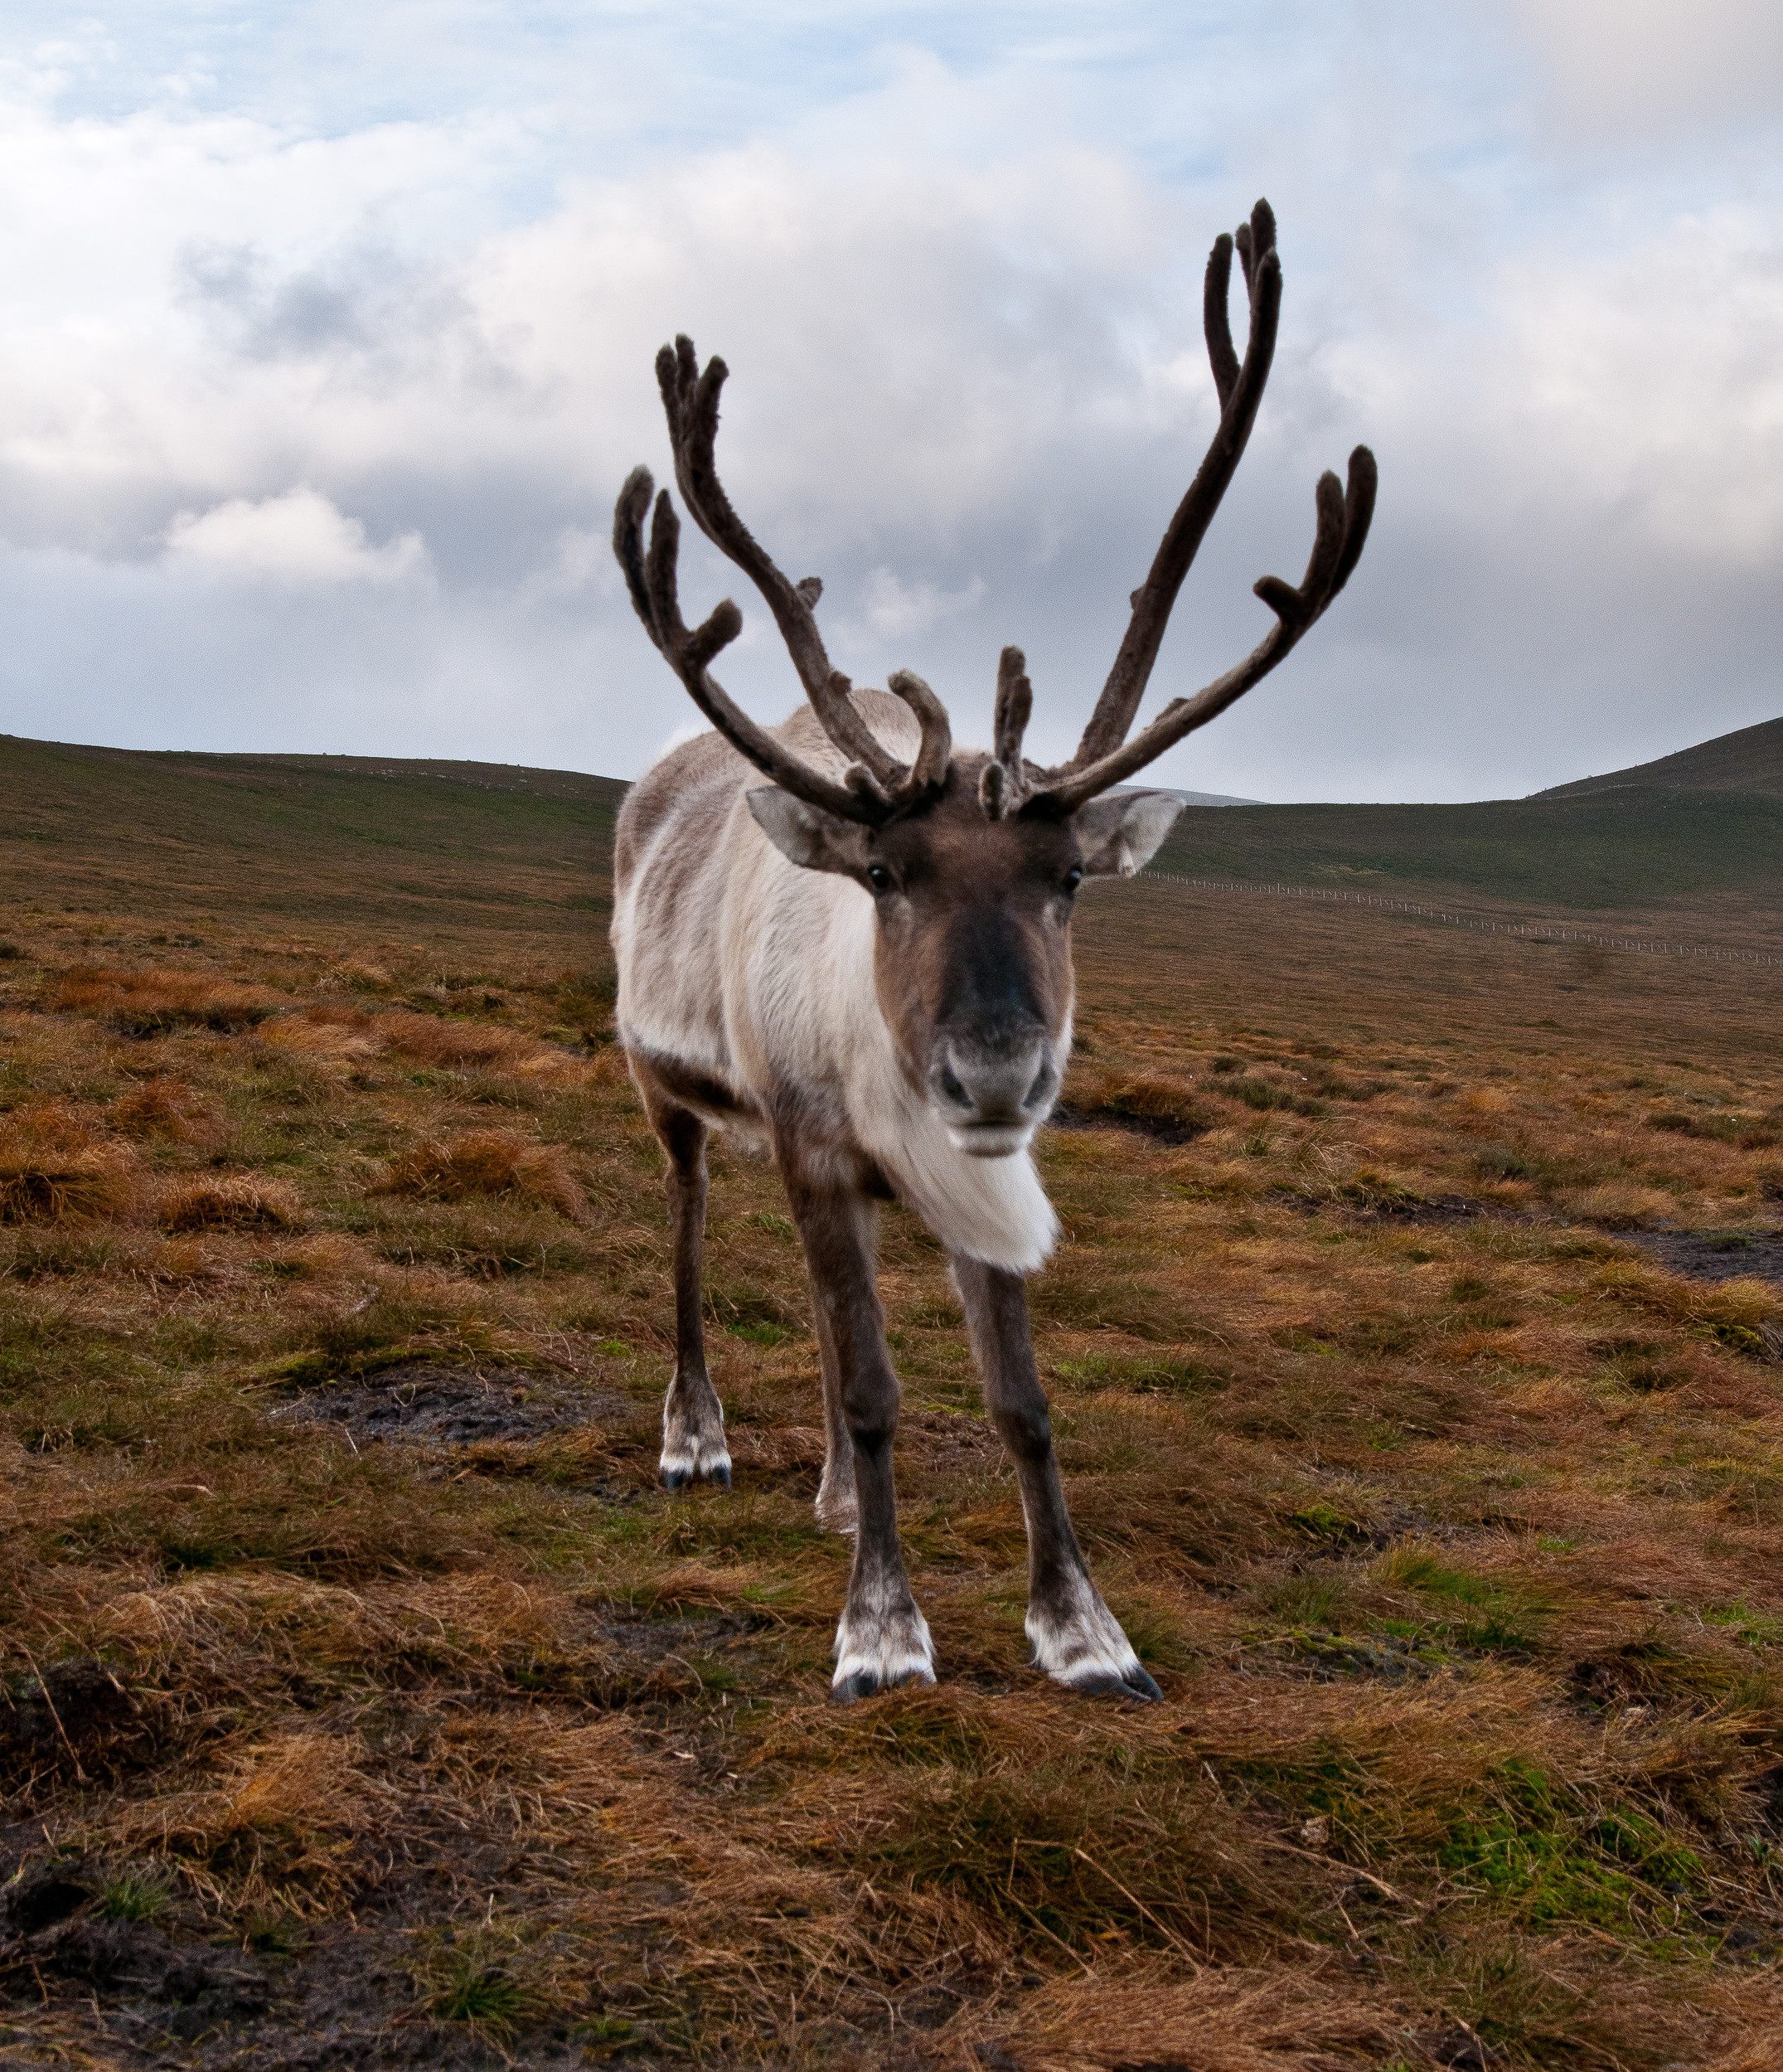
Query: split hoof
{"type": "Point", "coordinates": [1078, 1641]}
{"type": "Point", "coordinates": [867, 1683]}
{"type": "Point", "coordinates": [879, 1649]}
{"type": "Point", "coordinates": [1133, 1683]}
{"type": "Point", "coordinates": [678, 1474]}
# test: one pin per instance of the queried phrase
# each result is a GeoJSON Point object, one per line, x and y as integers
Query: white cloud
{"type": "Point", "coordinates": [962, 303]}
{"type": "Point", "coordinates": [895, 609]}
{"type": "Point", "coordinates": [1643, 66]}
{"type": "Point", "coordinates": [298, 538]}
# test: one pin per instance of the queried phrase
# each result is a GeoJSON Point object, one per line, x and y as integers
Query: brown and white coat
{"type": "Point", "coordinates": [864, 968]}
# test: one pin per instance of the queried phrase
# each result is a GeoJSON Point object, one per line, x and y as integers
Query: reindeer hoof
{"type": "Point", "coordinates": [677, 1474]}
{"type": "Point", "coordinates": [865, 1683]}
{"type": "Point", "coordinates": [1078, 1643]}
{"type": "Point", "coordinates": [1131, 1683]}
{"type": "Point", "coordinates": [880, 1648]}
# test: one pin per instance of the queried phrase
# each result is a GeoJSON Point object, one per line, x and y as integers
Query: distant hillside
{"type": "Point", "coordinates": [1621, 848]}
{"type": "Point", "coordinates": [1195, 798]}
{"type": "Point", "coordinates": [1750, 759]}
{"type": "Point", "coordinates": [426, 847]}
{"type": "Point", "coordinates": [1709, 819]}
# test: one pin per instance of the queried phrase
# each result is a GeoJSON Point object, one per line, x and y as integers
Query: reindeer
{"type": "Point", "coordinates": [864, 968]}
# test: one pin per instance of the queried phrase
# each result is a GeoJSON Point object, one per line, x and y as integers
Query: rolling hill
{"type": "Point", "coordinates": [451, 850]}
{"type": "Point", "coordinates": [1706, 821]}
{"type": "Point", "coordinates": [473, 845]}
{"type": "Point", "coordinates": [1615, 850]}
{"type": "Point", "coordinates": [1750, 759]}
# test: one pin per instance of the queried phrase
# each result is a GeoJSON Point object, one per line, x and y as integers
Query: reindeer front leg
{"type": "Point", "coordinates": [883, 1639]}
{"type": "Point", "coordinates": [1077, 1640]}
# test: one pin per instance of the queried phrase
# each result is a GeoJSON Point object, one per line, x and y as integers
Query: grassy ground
{"type": "Point", "coordinates": [366, 1704]}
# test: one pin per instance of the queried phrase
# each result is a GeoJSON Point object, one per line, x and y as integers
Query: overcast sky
{"type": "Point", "coordinates": [329, 328]}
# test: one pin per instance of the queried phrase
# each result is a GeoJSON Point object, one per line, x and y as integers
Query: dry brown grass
{"type": "Point", "coordinates": [230, 1201]}
{"type": "Point", "coordinates": [1448, 1516]}
{"type": "Point", "coordinates": [1228, 2021]}
{"type": "Point", "coordinates": [145, 1002]}
{"type": "Point", "coordinates": [490, 1161]}
{"type": "Point", "coordinates": [160, 1107]}
{"type": "Point", "coordinates": [55, 1166]}
{"type": "Point", "coordinates": [274, 1828]}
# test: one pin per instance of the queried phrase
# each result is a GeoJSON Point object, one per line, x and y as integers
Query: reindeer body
{"type": "Point", "coordinates": [864, 967]}
{"type": "Point", "coordinates": [739, 965]}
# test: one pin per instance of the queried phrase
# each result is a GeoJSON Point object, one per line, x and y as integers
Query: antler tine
{"type": "Point", "coordinates": [628, 543]}
{"type": "Point", "coordinates": [1345, 515]}
{"type": "Point", "coordinates": [876, 787]}
{"type": "Point", "coordinates": [1240, 388]}
{"type": "Point", "coordinates": [1216, 320]}
{"type": "Point", "coordinates": [1002, 784]}
{"type": "Point", "coordinates": [650, 577]}
{"type": "Point", "coordinates": [690, 401]}
{"type": "Point", "coordinates": [928, 773]}
{"type": "Point", "coordinates": [1015, 703]}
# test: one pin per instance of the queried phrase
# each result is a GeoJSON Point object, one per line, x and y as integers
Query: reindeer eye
{"type": "Point", "coordinates": [878, 877]}
{"type": "Point", "coordinates": [1074, 878]}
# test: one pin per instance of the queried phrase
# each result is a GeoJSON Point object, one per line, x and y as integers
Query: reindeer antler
{"type": "Point", "coordinates": [877, 788]}
{"type": "Point", "coordinates": [1101, 760]}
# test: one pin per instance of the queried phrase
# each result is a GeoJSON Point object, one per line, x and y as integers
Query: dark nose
{"type": "Point", "coordinates": [996, 1084]}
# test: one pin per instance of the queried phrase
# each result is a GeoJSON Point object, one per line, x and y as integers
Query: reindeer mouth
{"type": "Point", "coordinates": [991, 1140]}
{"type": "Point", "coordinates": [992, 1105]}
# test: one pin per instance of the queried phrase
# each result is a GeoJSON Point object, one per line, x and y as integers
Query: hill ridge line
{"type": "Point", "coordinates": [1541, 931]}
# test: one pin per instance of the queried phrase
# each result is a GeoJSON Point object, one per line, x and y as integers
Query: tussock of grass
{"type": "Point", "coordinates": [148, 1003]}
{"type": "Point", "coordinates": [463, 1046]}
{"type": "Point", "coordinates": [162, 1107]}
{"type": "Point", "coordinates": [134, 1896]}
{"type": "Point", "coordinates": [1617, 1204]}
{"type": "Point", "coordinates": [329, 1043]}
{"type": "Point", "coordinates": [1134, 1097]}
{"type": "Point", "coordinates": [234, 1201]}
{"type": "Point", "coordinates": [54, 1167]}
{"type": "Point", "coordinates": [1229, 2021]}
{"type": "Point", "coordinates": [277, 1823]}
{"type": "Point", "coordinates": [490, 1161]}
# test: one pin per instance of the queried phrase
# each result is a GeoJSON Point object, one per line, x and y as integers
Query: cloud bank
{"type": "Point", "coordinates": [328, 352]}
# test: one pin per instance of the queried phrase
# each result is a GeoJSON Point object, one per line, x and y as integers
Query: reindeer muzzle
{"type": "Point", "coordinates": [993, 1097]}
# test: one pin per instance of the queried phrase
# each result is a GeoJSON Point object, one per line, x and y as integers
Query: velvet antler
{"type": "Point", "coordinates": [877, 788]}
{"type": "Point", "coordinates": [1100, 760]}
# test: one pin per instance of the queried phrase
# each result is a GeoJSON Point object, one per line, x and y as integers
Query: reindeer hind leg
{"type": "Point", "coordinates": [693, 1418]}
{"type": "Point", "coordinates": [837, 1509]}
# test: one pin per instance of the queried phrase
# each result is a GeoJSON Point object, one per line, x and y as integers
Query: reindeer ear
{"type": "Point", "coordinates": [1120, 831]}
{"type": "Point", "coordinates": [807, 836]}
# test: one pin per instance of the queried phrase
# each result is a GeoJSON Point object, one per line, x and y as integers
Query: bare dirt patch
{"type": "Point", "coordinates": [1715, 1255]}
{"type": "Point", "coordinates": [434, 1403]}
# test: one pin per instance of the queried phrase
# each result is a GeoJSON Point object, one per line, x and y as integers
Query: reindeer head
{"type": "Point", "coordinates": [973, 859]}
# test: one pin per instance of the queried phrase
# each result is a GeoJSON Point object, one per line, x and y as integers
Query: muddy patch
{"type": "Point", "coordinates": [1426, 1211]}
{"type": "Point", "coordinates": [427, 1403]}
{"type": "Point", "coordinates": [53, 1928]}
{"type": "Point", "coordinates": [1715, 1255]}
{"type": "Point", "coordinates": [340, 2000]}
{"type": "Point", "coordinates": [1157, 1130]}
{"type": "Point", "coordinates": [73, 1714]}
